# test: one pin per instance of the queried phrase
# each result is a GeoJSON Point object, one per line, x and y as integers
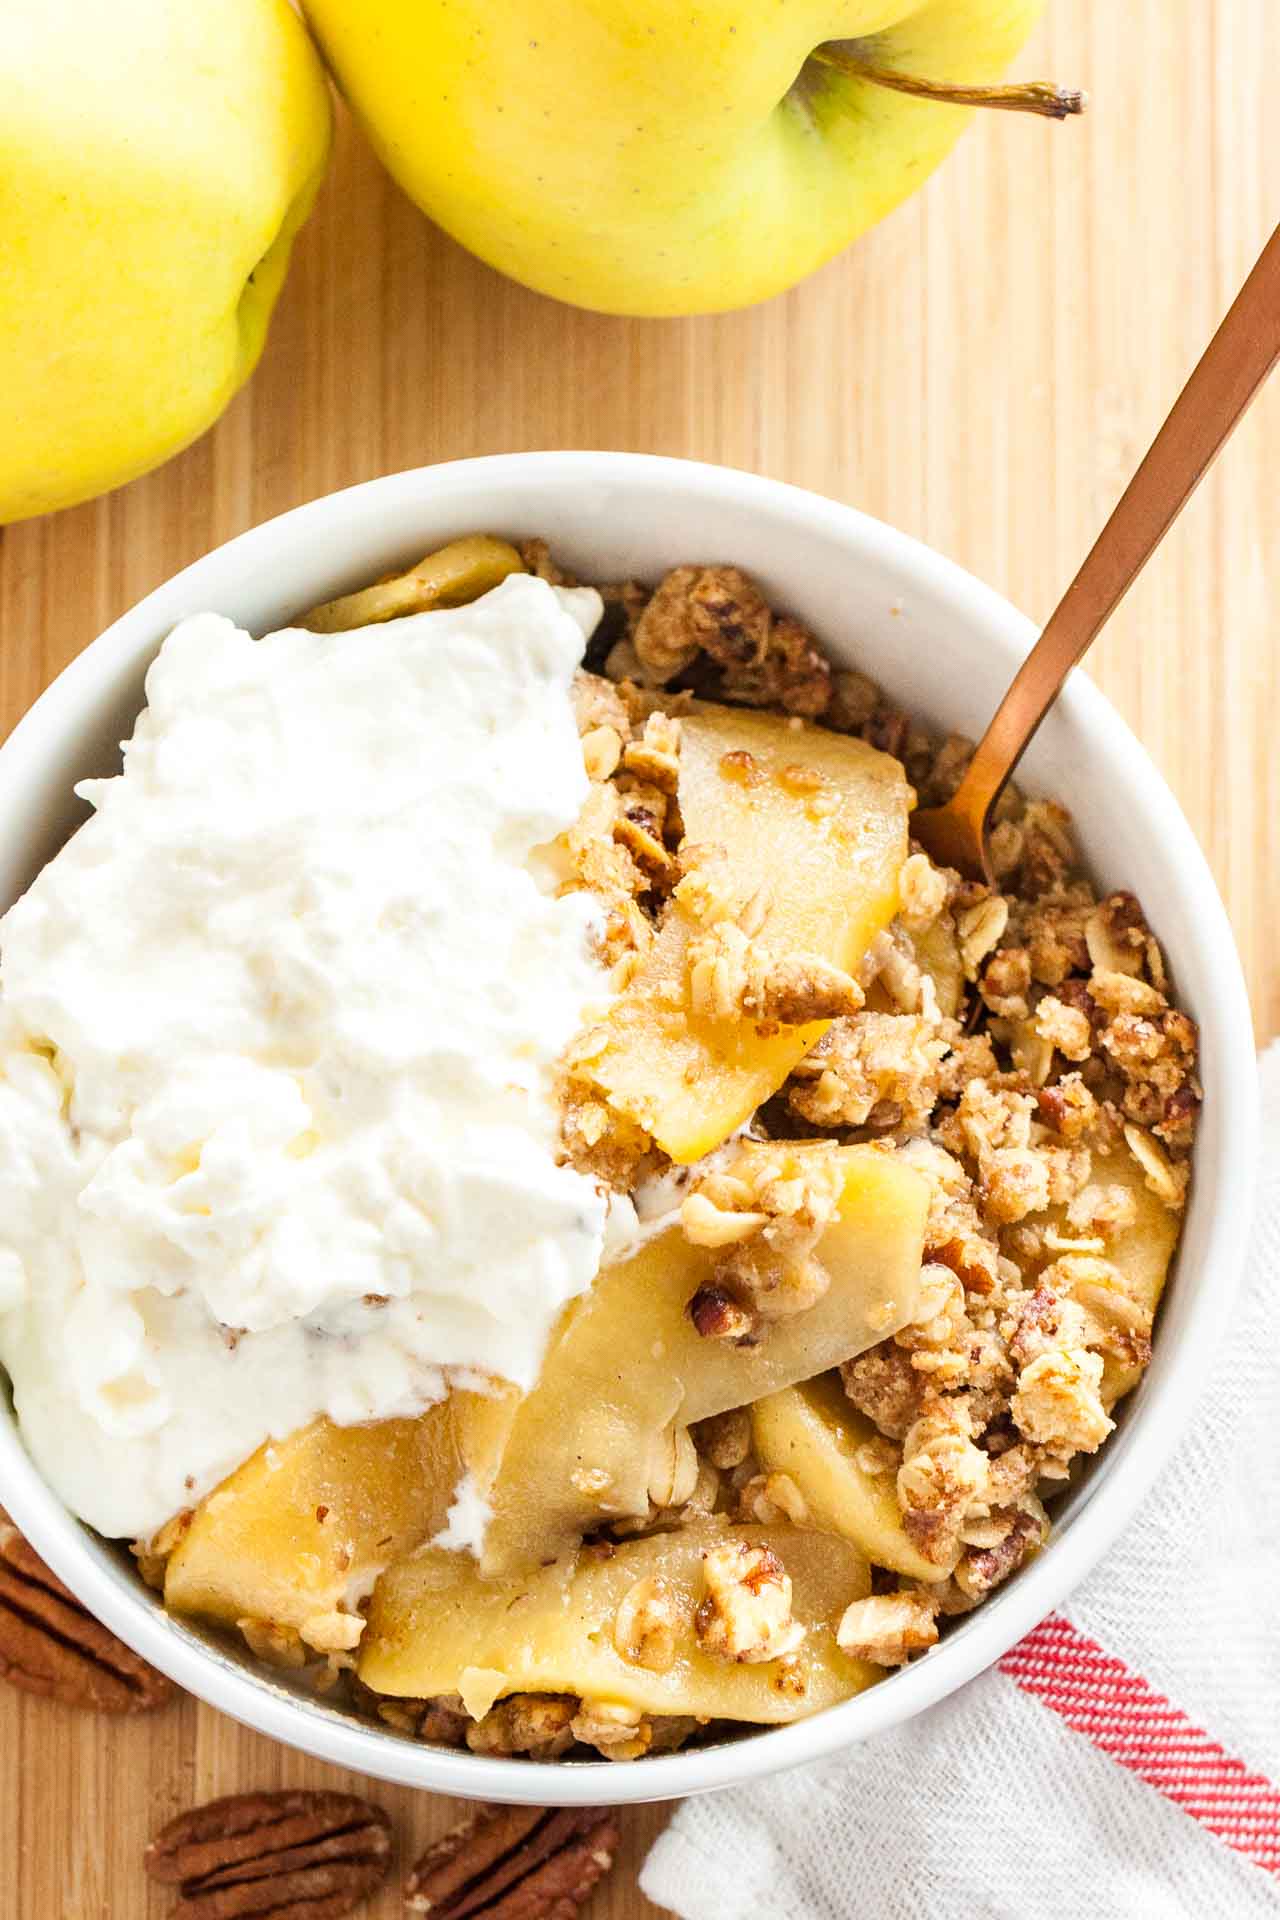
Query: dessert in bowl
{"type": "Point", "coordinates": [633, 1253]}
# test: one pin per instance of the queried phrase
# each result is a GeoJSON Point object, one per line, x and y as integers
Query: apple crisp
{"type": "Point", "coordinates": [909, 1156]}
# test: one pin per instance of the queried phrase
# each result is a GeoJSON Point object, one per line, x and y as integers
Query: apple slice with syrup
{"type": "Point", "coordinates": [1141, 1255]}
{"type": "Point", "coordinates": [628, 1362]}
{"type": "Point", "coordinates": [298, 1534]}
{"type": "Point", "coordinates": [814, 1433]}
{"type": "Point", "coordinates": [819, 821]}
{"type": "Point", "coordinates": [437, 1627]}
{"type": "Point", "coordinates": [296, 1537]}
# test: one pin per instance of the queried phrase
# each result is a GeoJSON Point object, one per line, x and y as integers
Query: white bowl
{"type": "Point", "coordinates": [945, 647]}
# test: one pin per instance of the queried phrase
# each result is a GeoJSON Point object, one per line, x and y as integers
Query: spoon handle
{"type": "Point", "coordinates": [1235, 363]}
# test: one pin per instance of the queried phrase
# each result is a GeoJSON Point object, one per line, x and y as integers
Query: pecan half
{"type": "Point", "coordinates": [294, 1855]}
{"type": "Point", "coordinates": [51, 1646]}
{"type": "Point", "coordinates": [515, 1863]}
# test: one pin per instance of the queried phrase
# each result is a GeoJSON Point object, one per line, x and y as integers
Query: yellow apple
{"type": "Point", "coordinates": [657, 156]}
{"type": "Point", "coordinates": [156, 159]}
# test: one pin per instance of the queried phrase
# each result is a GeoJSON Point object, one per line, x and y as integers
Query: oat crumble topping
{"type": "Point", "coordinates": [1062, 1059]}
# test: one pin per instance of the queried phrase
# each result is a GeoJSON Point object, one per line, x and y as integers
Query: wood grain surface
{"type": "Point", "coordinates": [983, 371]}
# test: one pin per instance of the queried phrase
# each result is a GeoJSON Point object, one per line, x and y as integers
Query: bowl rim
{"type": "Point", "coordinates": [259, 1701]}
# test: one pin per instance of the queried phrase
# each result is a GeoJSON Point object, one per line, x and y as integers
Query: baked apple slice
{"type": "Point", "coordinates": [437, 1626]}
{"type": "Point", "coordinates": [294, 1539]}
{"type": "Point", "coordinates": [1141, 1254]}
{"type": "Point", "coordinates": [814, 826]}
{"type": "Point", "coordinates": [628, 1361]}
{"type": "Point", "coordinates": [812, 1432]}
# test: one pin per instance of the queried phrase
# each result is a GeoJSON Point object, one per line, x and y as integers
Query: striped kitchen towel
{"type": "Point", "coordinates": [1121, 1763]}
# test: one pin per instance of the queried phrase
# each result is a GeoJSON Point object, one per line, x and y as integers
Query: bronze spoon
{"type": "Point", "coordinates": [1236, 362]}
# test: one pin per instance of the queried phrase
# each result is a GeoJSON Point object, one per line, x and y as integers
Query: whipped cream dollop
{"type": "Point", "coordinates": [278, 1036]}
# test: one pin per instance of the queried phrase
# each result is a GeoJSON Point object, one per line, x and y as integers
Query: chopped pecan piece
{"type": "Point", "coordinates": [746, 1614]}
{"type": "Point", "coordinates": [1068, 1107]}
{"type": "Point", "coordinates": [50, 1645]}
{"type": "Point", "coordinates": [792, 676]}
{"type": "Point", "coordinates": [887, 1628]}
{"type": "Point", "coordinates": [728, 614]}
{"type": "Point", "coordinates": [982, 1568]}
{"type": "Point", "coordinates": [1176, 1125]}
{"type": "Point", "coordinates": [296, 1855]}
{"type": "Point", "coordinates": [515, 1863]}
{"type": "Point", "coordinates": [664, 638]}
{"type": "Point", "coordinates": [718, 1316]}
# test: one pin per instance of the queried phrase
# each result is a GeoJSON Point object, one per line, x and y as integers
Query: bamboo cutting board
{"type": "Point", "coordinates": [983, 371]}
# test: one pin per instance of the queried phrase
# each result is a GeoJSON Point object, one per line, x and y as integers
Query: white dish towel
{"type": "Point", "coordinates": [1122, 1763]}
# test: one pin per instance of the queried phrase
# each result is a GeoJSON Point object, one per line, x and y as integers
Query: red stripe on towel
{"type": "Point", "coordinates": [1102, 1698]}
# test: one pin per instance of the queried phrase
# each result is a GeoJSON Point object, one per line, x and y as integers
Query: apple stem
{"type": "Point", "coordinates": [1027, 96]}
